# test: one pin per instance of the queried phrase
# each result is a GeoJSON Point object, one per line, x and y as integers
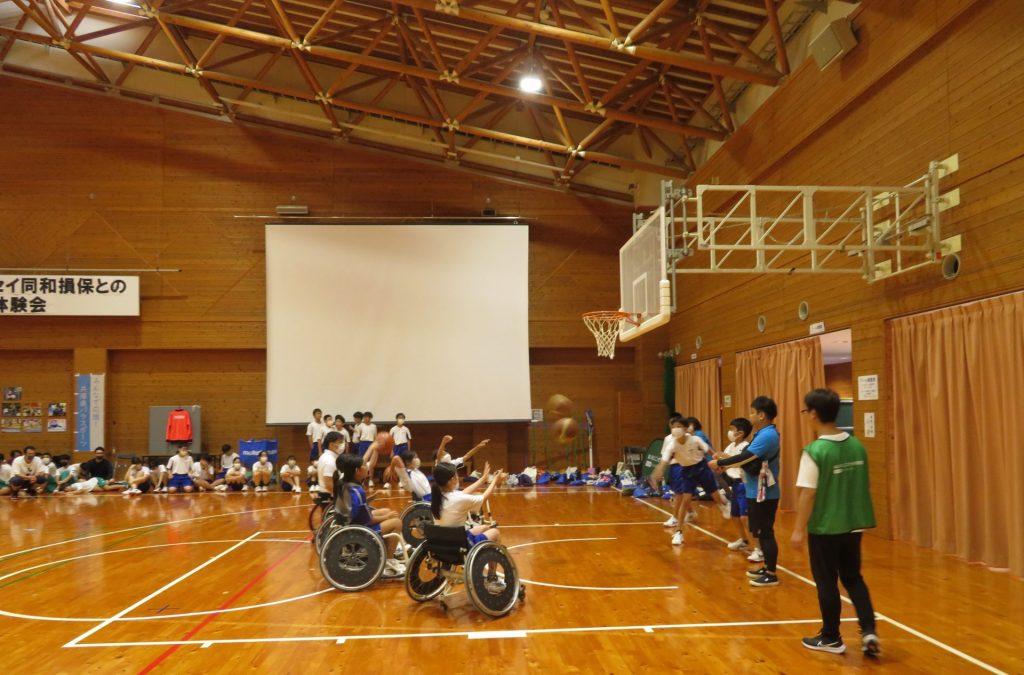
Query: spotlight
{"type": "Point", "coordinates": [531, 83]}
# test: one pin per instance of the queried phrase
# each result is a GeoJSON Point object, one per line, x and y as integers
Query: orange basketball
{"type": "Point", "coordinates": [559, 406]}
{"type": "Point", "coordinates": [566, 429]}
{"type": "Point", "coordinates": [385, 444]}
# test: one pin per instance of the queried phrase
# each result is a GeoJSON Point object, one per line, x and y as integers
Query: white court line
{"type": "Point", "coordinates": [882, 617]}
{"type": "Point", "coordinates": [160, 590]}
{"type": "Point", "coordinates": [341, 639]}
{"type": "Point", "coordinates": [510, 527]}
{"type": "Point", "coordinates": [151, 525]}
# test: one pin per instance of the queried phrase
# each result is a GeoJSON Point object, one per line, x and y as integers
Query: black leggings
{"type": "Point", "coordinates": [836, 557]}
{"type": "Point", "coordinates": [761, 521]}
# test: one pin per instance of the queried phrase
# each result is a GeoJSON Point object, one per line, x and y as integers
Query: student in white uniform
{"type": "Point", "coordinates": [28, 473]}
{"type": "Point", "coordinates": [159, 477]}
{"type": "Point", "coordinates": [234, 479]}
{"type": "Point", "coordinates": [346, 438]}
{"type": "Point", "coordinates": [366, 437]}
{"type": "Point", "coordinates": [137, 478]}
{"type": "Point", "coordinates": [441, 455]}
{"type": "Point", "coordinates": [327, 465]}
{"type": "Point", "coordinates": [357, 428]}
{"type": "Point", "coordinates": [5, 476]}
{"type": "Point", "coordinates": [180, 469]}
{"type": "Point", "coordinates": [227, 460]}
{"type": "Point", "coordinates": [326, 426]}
{"type": "Point", "coordinates": [262, 470]}
{"type": "Point", "coordinates": [203, 474]}
{"type": "Point", "coordinates": [314, 432]}
{"type": "Point", "coordinates": [451, 508]}
{"type": "Point", "coordinates": [739, 432]}
{"type": "Point", "coordinates": [406, 468]}
{"type": "Point", "coordinates": [291, 475]}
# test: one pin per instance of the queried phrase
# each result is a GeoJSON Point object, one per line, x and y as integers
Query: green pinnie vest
{"type": "Point", "coordinates": [843, 501]}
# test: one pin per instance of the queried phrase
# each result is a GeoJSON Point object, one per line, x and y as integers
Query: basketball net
{"type": "Point", "coordinates": [605, 326]}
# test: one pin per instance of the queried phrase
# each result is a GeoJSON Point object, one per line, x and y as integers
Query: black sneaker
{"type": "Point", "coordinates": [766, 579]}
{"type": "Point", "coordinates": [870, 646]}
{"type": "Point", "coordinates": [759, 572]}
{"type": "Point", "coordinates": [820, 644]}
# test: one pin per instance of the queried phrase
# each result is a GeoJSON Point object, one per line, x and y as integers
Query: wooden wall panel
{"type": "Point", "coordinates": [934, 79]}
{"type": "Point", "coordinates": [45, 377]}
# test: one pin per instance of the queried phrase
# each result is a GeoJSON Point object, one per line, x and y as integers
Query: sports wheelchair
{"type": "Point", "coordinates": [418, 514]}
{"type": "Point", "coordinates": [352, 557]}
{"type": "Point", "coordinates": [445, 558]}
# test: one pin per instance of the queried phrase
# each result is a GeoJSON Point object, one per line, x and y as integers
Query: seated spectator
{"type": "Point", "coordinates": [180, 469]}
{"type": "Point", "coordinates": [202, 474]}
{"type": "Point", "coordinates": [137, 478]}
{"type": "Point", "coordinates": [234, 479]}
{"type": "Point", "coordinates": [28, 473]}
{"type": "Point", "coordinates": [290, 475]}
{"type": "Point", "coordinates": [5, 476]}
{"type": "Point", "coordinates": [262, 469]}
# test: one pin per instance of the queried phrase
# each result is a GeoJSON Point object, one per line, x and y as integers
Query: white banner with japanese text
{"type": "Point", "coordinates": [68, 295]}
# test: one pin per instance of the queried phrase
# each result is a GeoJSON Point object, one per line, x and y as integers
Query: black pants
{"type": "Point", "coordinates": [836, 557]}
{"type": "Point", "coordinates": [761, 522]}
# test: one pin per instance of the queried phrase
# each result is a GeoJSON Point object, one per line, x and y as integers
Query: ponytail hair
{"type": "Point", "coordinates": [443, 473]}
{"type": "Point", "coordinates": [346, 466]}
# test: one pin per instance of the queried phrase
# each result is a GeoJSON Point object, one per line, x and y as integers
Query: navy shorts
{"type": "Point", "coordinates": [475, 539]}
{"type": "Point", "coordinates": [739, 498]}
{"type": "Point", "coordinates": [220, 475]}
{"type": "Point", "coordinates": [692, 476]}
{"type": "Point", "coordinates": [286, 486]}
{"type": "Point", "coordinates": [314, 452]}
{"type": "Point", "coordinates": [144, 487]}
{"type": "Point", "coordinates": [179, 481]}
{"type": "Point", "coordinates": [363, 447]}
{"type": "Point", "coordinates": [399, 449]}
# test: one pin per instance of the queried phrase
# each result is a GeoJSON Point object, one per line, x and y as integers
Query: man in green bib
{"type": "Point", "coordinates": [833, 509]}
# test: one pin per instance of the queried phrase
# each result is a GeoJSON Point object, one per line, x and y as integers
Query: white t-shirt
{"type": "Point", "coordinates": [401, 434]}
{"type": "Point", "coordinates": [456, 507]}
{"type": "Point", "coordinates": [19, 467]}
{"type": "Point", "coordinates": [135, 474]}
{"type": "Point", "coordinates": [415, 482]}
{"type": "Point", "coordinates": [288, 471]}
{"type": "Point", "coordinates": [668, 448]}
{"type": "Point", "coordinates": [179, 465]}
{"type": "Point", "coordinates": [50, 468]}
{"type": "Point", "coordinates": [199, 472]}
{"type": "Point", "coordinates": [807, 476]}
{"type": "Point", "coordinates": [315, 430]}
{"type": "Point", "coordinates": [346, 439]}
{"type": "Point", "coordinates": [5, 472]}
{"type": "Point", "coordinates": [368, 432]}
{"type": "Point", "coordinates": [227, 460]}
{"type": "Point", "coordinates": [233, 473]}
{"type": "Point", "coordinates": [327, 464]}
{"type": "Point", "coordinates": [732, 450]}
{"type": "Point", "coordinates": [311, 470]}
{"type": "Point", "coordinates": [269, 466]}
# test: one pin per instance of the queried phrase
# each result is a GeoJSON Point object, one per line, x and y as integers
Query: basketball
{"type": "Point", "coordinates": [559, 406]}
{"type": "Point", "coordinates": [385, 444]}
{"type": "Point", "coordinates": [566, 429]}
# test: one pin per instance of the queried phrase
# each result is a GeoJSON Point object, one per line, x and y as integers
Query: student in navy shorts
{"type": "Point", "coordinates": [352, 471]}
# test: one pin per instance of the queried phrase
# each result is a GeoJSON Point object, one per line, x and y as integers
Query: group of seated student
{"type": "Point", "coordinates": [31, 473]}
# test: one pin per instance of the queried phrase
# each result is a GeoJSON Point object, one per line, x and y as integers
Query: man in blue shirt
{"type": "Point", "coordinates": [760, 464]}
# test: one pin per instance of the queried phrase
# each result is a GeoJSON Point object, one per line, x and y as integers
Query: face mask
{"type": "Point", "coordinates": [291, 462]}
{"type": "Point", "coordinates": [678, 432]}
{"type": "Point", "coordinates": [46, 461]}
{"type": "Point", "coordinates": [401, 422]}
{"type": "Point", "coordinates": [732, 436]}
{"type": "Point", "coordinates": [416, 463]}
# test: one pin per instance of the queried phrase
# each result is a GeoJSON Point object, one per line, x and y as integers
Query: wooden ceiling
{"type": "Point", "coordinates": [628, 85]}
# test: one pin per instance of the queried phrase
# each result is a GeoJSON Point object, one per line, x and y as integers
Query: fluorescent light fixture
{"type": "Point", "coordinates": [531, 83]}
{"type": "Point", "coordinates": [130, 3]}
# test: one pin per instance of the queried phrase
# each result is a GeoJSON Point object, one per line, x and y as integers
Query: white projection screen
{"type": "Point", "coordinates": [429, 320]}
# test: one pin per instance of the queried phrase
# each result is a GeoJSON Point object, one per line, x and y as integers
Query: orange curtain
{"type": "Point", "coordinates": [698, 395]}
{"type": "Point", "coordinates": [783, 372]}
{"type": "Point", "coordinates": [957, 464]}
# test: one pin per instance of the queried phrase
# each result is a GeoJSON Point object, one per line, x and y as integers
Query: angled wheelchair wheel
{"type": "Point", "coordinates": [352, 557]}
{"type": "Point", "coordinates": [324, 530]}
{"type": "Point", "coordinates": [318, 513]}
{"type": "Point", "coordinates": [493, 594]}
{"type": "Point", "coordinates": [423, 578]}
{"type": "Point", "coordinates": [414, 517]}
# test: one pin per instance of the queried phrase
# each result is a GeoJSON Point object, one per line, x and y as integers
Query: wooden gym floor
{"type": "Point", "coordinates": [226, 583]}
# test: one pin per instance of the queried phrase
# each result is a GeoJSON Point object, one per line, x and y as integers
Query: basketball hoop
{"type": "Point", "coordinates": [605, 326]}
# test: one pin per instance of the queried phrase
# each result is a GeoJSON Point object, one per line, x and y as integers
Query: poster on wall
{"type": "Point", "coordinates": [12, 393]}
{"type": "Point", "coordinates": [57, 424]}
{"type": "Point", "coordinates": [11, 409]}
{"type": "Point", "coordinates": [32, 425]}
{"type": "Point", "coordinates": [10, 425]}
{"type": "Point", "coordinates": [89, 411]}
{"type": "Point", "coordinates": [57, 409]}
{"type": "Point", "coordinates": [32, 409]}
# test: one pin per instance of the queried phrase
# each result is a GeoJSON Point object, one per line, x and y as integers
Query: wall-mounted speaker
{"type": "Point", "coordinates": [835, 41]}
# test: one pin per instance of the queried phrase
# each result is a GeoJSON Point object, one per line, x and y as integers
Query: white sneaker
{"type": "Point", "coordinates": [387, 486]}
{"type": "Point", "coordinates": [370, 483]}
{"type": "Point", "coordinates": [163, 489]}
{"type": "Point", "coordinates": [129, 491]}
{"type": "Point", "coordinates": [245, 488]}
{"type": "Point", "coordinates": [221, 488]}
{"type": "Point", "coordinates": [690, 517]}
{"type": "Point", "coordinates": [671, 522]}
{"type": "Point", "coordinates": [756, 557]}
{"type": "Point", "coordinates": [312, 489]}
{"type": "Point", "coordinates": [393, 568]}
{"type": "Point", "coordinates": [725, 509]}
{"type": "Point", "coordinates": [737, 545]}
{"type": "Point", "coordinates": [677, 538]}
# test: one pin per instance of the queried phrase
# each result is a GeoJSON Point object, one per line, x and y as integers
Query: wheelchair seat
{"type": "Point", "coordinates": [447, 544]}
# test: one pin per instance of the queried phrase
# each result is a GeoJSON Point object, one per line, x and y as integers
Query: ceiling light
{"type": "Point", "coordinates": [531, 83]}
{"type": "Point", "coordinates": [130, 3]}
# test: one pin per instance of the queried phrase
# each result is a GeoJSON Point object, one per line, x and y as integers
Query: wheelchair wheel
{"type": "Point", "coordinates": [413, 518]}
{"type": "Point", "coordinates": [493, 595]}
{"type": "Point", "coordinates": [423, 578]}
{"type": "Point", "coordinates": [318, 513]}
{"type": "Point", "coordinates": [352, 557]}
{"type": "Point", "coordinates": [324, 530]}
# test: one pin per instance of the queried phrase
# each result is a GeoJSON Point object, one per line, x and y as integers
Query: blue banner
{"type": "Point", "coordinates": [82, 398]}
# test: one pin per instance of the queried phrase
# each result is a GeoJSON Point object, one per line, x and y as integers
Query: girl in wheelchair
{"type": "Point", "coordinates": [406, 468]}
{"type": "Point", "coordinates": [351, 499]}
{"type": "Point", "coordinates": [451, 507]}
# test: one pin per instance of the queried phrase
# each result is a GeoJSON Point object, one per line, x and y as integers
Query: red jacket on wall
{"type": "Point", "coordinates": [179, 426]}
